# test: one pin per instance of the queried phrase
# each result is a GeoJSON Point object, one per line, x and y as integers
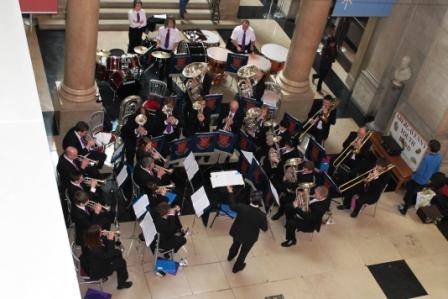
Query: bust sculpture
{"type": "Point", "coordinates": [403, 72]}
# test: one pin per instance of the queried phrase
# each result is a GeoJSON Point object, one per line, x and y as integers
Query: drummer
{"type": "Point", "coordinates": [242, 39]}
{"type": "Point", "coordinates": [168, 35]}
{"type": "Point", "coordinates": [137, 24]}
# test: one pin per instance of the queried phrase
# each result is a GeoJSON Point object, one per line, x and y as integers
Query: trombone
{"type": "Point", "coordinates": [91, 204]}
{"type": "Point", "coordinates": [157, 167]}
{"type": "Point", "coordinates": [351, 149]}
{"type": "Point", "coordinates": [365, 178]}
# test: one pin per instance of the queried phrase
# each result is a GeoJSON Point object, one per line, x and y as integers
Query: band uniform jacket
{"type": "Point", "coordinates": [317, 105]}
{"type": "Point", "coordinates": [237, 118]}
{"type": "Point", "coordinates": [312, 219]}
{"type": "Point", "coordinates": [193, 125]}
{"type": "Point", "coordinates": [70, 139]}
{"type": "Point", "coordinates": [142, 177]}
{"type": "Point", "coordinates": [128, 130]}
{"type": "Point", "coordinates": [371, 192]}
{"type": "Point", "coordinates": [83, 220]}
{"type": "Point", "coordinates": [248, 222]}
{"type": "Point", "coordinates": [97, 262]}
{"type": "Point", "coordinates": [65, 169]}
{"type": "Point", "coordinates": [362, 161]}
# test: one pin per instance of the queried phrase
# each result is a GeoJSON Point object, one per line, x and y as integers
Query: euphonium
{"type": "Point", "coordinates": [304, 197]}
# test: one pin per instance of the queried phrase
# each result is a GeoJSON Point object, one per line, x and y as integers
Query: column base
{"type": "Point", "coordinates": [293, 87]}
{"type": "Point", "coordinates": [297, 105]}
{"type": "Point", "coordinates": [69, 95]}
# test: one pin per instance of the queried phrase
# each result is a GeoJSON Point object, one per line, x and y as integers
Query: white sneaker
{"type": "Point", "coordinates": [183, 262]}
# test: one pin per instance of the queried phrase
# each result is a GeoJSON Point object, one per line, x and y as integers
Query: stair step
{"type": "Point", "coordinates": [154, 4]}
{"type": "Point", "coordinates": [48, 23]}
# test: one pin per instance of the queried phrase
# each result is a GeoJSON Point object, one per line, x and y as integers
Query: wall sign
{"type": "Point", "coordinates": [362, 8]}
{"type": "Point", "coordinates": [413, 144]}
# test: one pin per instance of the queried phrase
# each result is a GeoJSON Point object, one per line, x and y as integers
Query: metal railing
{"type": "Point", "coordinates": [214, 7]}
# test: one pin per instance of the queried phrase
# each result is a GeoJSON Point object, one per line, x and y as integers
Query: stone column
{"type": "Point", "coordinates": [77, 90]}
{"type": "Point", "coordinates": [229, 9]}
{"type": "Point", "coordinates": [294, 79]}
{"type": "Point", "coordinates": [386, 107]}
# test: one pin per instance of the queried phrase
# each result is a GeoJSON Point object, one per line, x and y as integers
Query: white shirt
{"type": "Point", "coordinates": [238, 32]}
{"type": "Point", "coordinates": [80, 140]}
{"type": "Point", "coordinates": [174, 38]}
{"type": "Point", "coordinates": [71, 162]}
{"type": "Point", "coordinates": [132, 17]}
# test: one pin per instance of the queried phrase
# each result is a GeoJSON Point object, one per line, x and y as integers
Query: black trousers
{"type": "Point", "coordinates": [296, 224]}
{"type": "Point", "coordinates": [118, 264]}
{"type": "Point", "coordinates": [321, 74]}
{"type": "Point", "coordinates": [233, 251]}
{"type": "Point", "coordinates": [135, 38]}
{"type": "Point", "coordinates": [412, 187]}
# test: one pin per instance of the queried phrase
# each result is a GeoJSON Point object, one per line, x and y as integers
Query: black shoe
{"type": "Point", "coordinates": [125, 285]}
{"type": "Point", "coordinates": [402, 210]}
{"type": "Point", "coordinates": [289, 243]}
{"type": "Point", "coordinates": [354, 214]}
{"type": "Point", "coordinates": [342, 207]}
{"type": "Point", "coordinates": [230, 258]}
{"type": "Point", "coordinates": [236, 270]}
{"type": "Point", "coordinates": [277, 216]}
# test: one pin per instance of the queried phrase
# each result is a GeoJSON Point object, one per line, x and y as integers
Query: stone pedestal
{"type": "Point", "coordinates": [387, 107]}
{"type": "Point", "coordinates": [229, 9]}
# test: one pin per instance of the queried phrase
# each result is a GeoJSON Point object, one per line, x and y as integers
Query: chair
{"type": "Point", "coordinates": [68, 202]}
{"type": "Point", "coordinates": [161, 252]}
{"type": "Point", "coordinates": [375, 204]}
{"type": "Point", "coordinates": [96, 122]}
{"type": "Point", "coordinates": [83, 278]}
{"type": "Point", "coordinates": [157, 88]}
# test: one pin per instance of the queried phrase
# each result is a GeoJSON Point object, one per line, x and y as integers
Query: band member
{"type": "Point", "coordinates": [79, 138]}
{"type": "Point", "coordinates": [242, 39]}
{"type": "Point", "coordinates": [168, 35]}
{"type": "Point", "coordinates": [326, 118]}
{"type": "Point", "coordinates": [146, 148]}
{"type": "Point", "coordinates": [289, 151]}
{"type": "Point", "coordinates": [290, 182]}
{"type": "Point", "coordinates": [132, 132]}
{"type": "Point", "coordinates": [259, 88]}
{"type": "Point", "coordinates": [69, 162]}
{"type": "Point", "coordinates": [361, 158]}
{"type": "Point", "coordinates": [137, 24]}
{"type": "Point", "coordinates": [245, 229]}
{"type": "Point", "coordinates": [85, 215]}
{"type": "Point", "coordinates": [429, 165]}
{"type": "Point", "coordinates": [369, 191]}
{"type": "Point", "coordinates": [167, 223]}
{"type": "Point", "coordinates": [156, 194]}
{"type": "Point", "coordinates": [100, 258]}
{"type": "Point", "coordinates": [197, 120]}
{"type": "Point", "coordinates": [146, 171]}
{"type": "Point", "coordinates": [77, 184]}
{"type": "Point", "coordinates": [231, 117]}
{"type": "Point", "coordinates": [307, 221]}
{"type": "Point", "coordinates": [282, 131]}
{"type": "Point", "coordinates": [167, 125]}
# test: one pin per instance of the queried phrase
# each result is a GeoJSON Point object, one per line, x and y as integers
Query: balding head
{"type": "Point", "coordinates": [234, 105]}
{"type": "Point", "coordinates": [362, 132]}
{"type": "Point", "coordinates": [71, 152]}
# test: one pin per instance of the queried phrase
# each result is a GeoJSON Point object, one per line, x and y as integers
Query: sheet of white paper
{"type": "Point", "coordinates": [148, 229]}
{"type": "Point", "coordinates": [191, 166]}
{"type": "Point", "coordinates": [122, 176]}
{"type": "Point", "coordinates": [140, 206]}
{"type": "Point", "coordinates": [226, 178]}
{"type": "Point", "coordinates": [103, 138]}
{"type": "Point", "coordinates": [160, 16]}
{"type": "Point", "coordinates": [275, 193]}
{"type": "Point", "coordinates": [249, 156]}
{"type": "Point", "coordinates": [200, 201]}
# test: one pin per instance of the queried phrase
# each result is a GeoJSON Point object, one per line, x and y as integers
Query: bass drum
{"type": "Point", "coordinates": [118, 78]}
{"type": "Point", "coordinates": [196, 50]}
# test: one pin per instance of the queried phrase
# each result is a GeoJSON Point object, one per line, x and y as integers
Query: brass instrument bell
{"type": "Point", "coordinates": [141, 119]}
{"type": "Point", "coordinates": [167, 109]}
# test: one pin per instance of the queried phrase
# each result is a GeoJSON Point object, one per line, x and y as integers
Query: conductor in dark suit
{"type": "Point", "coordinates": [245, 229]}
{"type": "Point", "coordinates": [78, 137]}
{"type": "Point", "coordinates": [307, 221]}
{"type": "Point", "coordinates": [231, 117]}
{"type": "Point", "coordinates": [321, 128]}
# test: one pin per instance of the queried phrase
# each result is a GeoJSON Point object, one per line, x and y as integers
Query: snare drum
{"type": "Point", "coordinates": [217, 58]}
{"type": "Point", "coordinates": [276, 54]}
{"type": "Point", "coordinates": [212, 39]}
{"type": "Point", "coordinates": [260, 62]}
{"type": "Point", "coordinates": [130, 61]}
{"type": "Point", "coordinates": [113, 63]}
{"type": "Point", "coordinates": [196, 50]}
{"type": "Point", "coordinates": [118, 78]}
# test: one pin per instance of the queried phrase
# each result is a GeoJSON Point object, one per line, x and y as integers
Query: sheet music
{"type": "Point", "coordinates": [200, 201]}
{"type": "Point", "coordinates": [191, 166]}
{"type": "Point", "coordinates": [103, 138]}
{"type": "Point", "coordinates": [226, 178]}
{"type": "Point", "coordinates": [160, 16]}
{"type": "Point", "coordinates": [275, 193]}
{"type": "Point", "coordinates": [148, 229]}
{"type": "Point", "coordinates": [140, 206]}
{"type": "Point", "coordinates": [249, 156]}
{"type": "Point", "coordinates": [122, 176]}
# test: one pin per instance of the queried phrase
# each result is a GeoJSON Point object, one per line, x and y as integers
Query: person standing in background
{"type": "Point", "coordinates": [328, 56]}
{"type": "Point", "coordinates": [183, 8]}
{"type": "Point", "coordinates": [137, 24]}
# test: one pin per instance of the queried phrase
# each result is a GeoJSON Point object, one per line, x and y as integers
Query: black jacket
{"type": "Point", "coordinates": [192, 124]}
{"type": "Point", "coordinates": [65, 169]}
{"type": "Point", "coordinates": [248, 222]}
{"type": "Point", "coordinates": [317, 105]}
{"type": "Point", "coordinates": [237, 118]}
{"type": "Point", "coordinates": [363, 160]}
{"type": "Point", "coordinates": [70, 139]}
{"type": "Point", "coordinates": [142, 177]}
{"type": "Point", "coordinates": [98, 262]}
{"type": "Point", "coordinates": [313, 218]}
{"type": "Point", "coordinates": [372, 192]}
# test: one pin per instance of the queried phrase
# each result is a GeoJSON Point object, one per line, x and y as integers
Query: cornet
{"type": "Point", "coordinates": [155, 151]}
{"type": "Point", "coordinates": [91, 204]}
{"type": "Point", "coordinates": [106, 232]}
{"type": "Point", "coordinates": [80, 157]}
{"type": "Point", "coordinates": [157, 167]}
{"type": "Point", "coordinates": [88, 180]}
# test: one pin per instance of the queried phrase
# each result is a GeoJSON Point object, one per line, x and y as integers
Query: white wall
{"type": "Point", "coordinates": [35, 259]}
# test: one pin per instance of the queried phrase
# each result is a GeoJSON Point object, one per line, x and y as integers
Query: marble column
{"type": "Point", "coordinates": [294, 79]}
{"type": "Point", "coordinates": [77, 91]}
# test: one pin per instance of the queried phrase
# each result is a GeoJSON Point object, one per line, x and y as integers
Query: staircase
{"type": "Point", "coordinates": [114, 15]}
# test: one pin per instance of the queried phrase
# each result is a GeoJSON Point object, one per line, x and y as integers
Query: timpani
{"type": "Point", "coordinates": [276, 54]}
{"type": "Point", "coordinates": [260, 62]}
{"type": "Point", "coordinates": [212, 38]}
{"type": "Point", "coordinates": [217, 59]}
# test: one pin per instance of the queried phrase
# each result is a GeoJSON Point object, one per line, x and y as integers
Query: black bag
{"type": "Point", "coordinates": [390, 145]}
{"type": "Point", "coordinates": [429, 214]}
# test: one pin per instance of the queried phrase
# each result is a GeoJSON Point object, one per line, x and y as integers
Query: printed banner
{"type": "Point", "coordinates": [38, 6]}
{"type": "Point", "coordinates": [179, 148]}
{"type": "Point", "coordinates": [203, 142]}
{"type": "Point", "coordinates": [235, 61]}
{"type": "Point", "coordinates": [178, 62]}
{"type": "Point", "coordinates": [225, 141]}
{"type": "Point", "coordinates": [362, 8]}
{"type": "Point", "coordinates": [412, 143]}
{"type": "Point", "coordinates": [213, 102]}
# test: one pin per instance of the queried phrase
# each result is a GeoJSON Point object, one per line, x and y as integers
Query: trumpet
{"type": "Point", "coordinates": [155, 151]}
{"type": "Point", "coordinates": [162, 189]}
{"type": "Point", "coordinates": [81, 157]}
{"type": "Point", "coordinates": [351, 149]}
{"type": "Point", "coordinates": [88, 180]}
{"type": "Point", "coordinates": [106, 232]}
{"type": "Point", "coordinates": [365, 178]}
{"type": "Point", "coordinates": [91, 204]}
{"type": "Point", "coordinates": [157, 167]}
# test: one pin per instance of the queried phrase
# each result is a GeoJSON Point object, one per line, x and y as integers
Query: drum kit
{"type": "Point", "coordinates": [276, 54]}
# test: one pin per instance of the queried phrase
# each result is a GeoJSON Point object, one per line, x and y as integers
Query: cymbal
{"type": "Point", "coordinates": [161, 55]}
{"type": "Point", "coordinates": [102, 53]}
{"type": "Point", "coordinates": [140, 50]}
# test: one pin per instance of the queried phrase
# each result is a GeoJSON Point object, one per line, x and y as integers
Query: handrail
{"type": "Point", "coordinates": [215, 8]}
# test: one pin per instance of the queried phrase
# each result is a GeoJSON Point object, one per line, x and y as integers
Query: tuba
{"type": "Point", "coordinates": [291, 168]}
{"type": "Point", "coordinates": [129, 106]}
{"type": "Point", "coordinates": [304, 198]}
{"type": "Point", "coordinates": [194, 72]}
{"type": "Point", "coordinates": [247, 80]}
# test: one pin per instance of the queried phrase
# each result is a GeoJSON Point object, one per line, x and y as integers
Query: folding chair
{"type": "Point", "coordinates": [375, 204]}
{"type": "Point", "coordinates": [96, 122]}
{"type": "Point", "coordinates": [83, 277]}
{"type": "Point", "coordinates": [68, 202]}
{"type": "Point", "coordinates": [157, 88]}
